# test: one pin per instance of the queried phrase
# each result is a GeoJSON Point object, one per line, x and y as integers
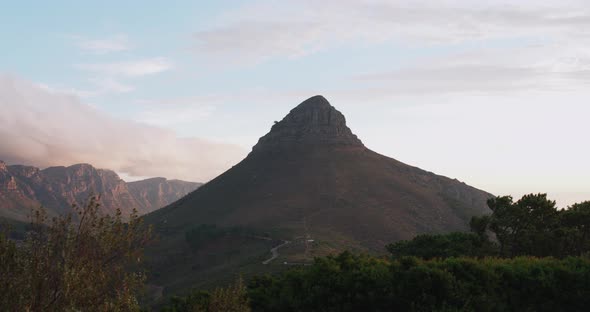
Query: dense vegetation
{"type": "Point", "coordinates": [534, 226]}
{"type": "Point", "coordinates": [350, 282]}
{"type": "Point", "coordinates": [531, 226]}
{"type": "Point", "coordinates": [82, 261]}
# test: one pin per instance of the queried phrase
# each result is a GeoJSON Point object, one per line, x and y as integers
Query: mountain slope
{"type": "Point", "coordinates": [56, 188]}
{"type": "Point", "coordinates": [311, 166]}
{"type": "Point", "coordinates": [310, 180]}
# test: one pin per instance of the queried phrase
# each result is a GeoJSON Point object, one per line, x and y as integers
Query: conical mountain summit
{"type": "Point", "coordinates": [313, 122]}
{"type": "Point", "coordinates": [311, 166]}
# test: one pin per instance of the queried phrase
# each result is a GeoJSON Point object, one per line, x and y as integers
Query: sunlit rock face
{"type": "Point", "coordinates": [23, 188]}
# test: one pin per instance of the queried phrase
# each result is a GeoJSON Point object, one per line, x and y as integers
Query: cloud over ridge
{"type": "Point", "coordinates": [44, 128]}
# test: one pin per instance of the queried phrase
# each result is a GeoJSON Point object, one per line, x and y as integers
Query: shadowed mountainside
{"type": "Point", "coordinates": [311, 178]}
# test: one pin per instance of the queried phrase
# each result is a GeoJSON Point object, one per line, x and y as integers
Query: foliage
{"type": "Point", "coordinates": [534, 226]}
{"type": "Point", "coordinates": [428, 246]}
{"type": "Point", "coordinates": [80, 261]}
{"type": "Point", "coordinates": [350, 282]}
{"type": "Point", "coordinates": [231, 299]}
{"type": "Point", "coordinates": [526, 227]}
{"type": "Point", "coordinates": [531, 226]}
{"type": "Point", "coordinates": [575, 231]}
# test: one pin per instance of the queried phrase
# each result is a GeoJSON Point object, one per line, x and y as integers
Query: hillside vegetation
{"type": "Point", "coordinates": [526, 256]}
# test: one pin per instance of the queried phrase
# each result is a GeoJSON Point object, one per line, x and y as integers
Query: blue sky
{"type": "Point", "coordinates": [492, 93]}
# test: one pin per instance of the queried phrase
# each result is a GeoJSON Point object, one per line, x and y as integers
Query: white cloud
{"type": "Point", "coordinates": [101, 86]}
{"type": "Point", "coordinates": [136, 68]}
{"type": "Point", "coordinates": [266, 29]}
{"type": "Point", "coordinates": [110, 85]}
{"type": "Point", "coordinates": [488, 71]}
{"type": "Point", "coordinates": [116, 43]}
{"type": "Point", "coordinates": [175, 112]}
{"type": "Point", "coordinates": [66, 90]}
{"type": "Point", "coordinates": [43, 128]}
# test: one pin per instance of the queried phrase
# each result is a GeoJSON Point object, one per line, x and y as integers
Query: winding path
{"type": "Point", "coordinates": [275, 252]}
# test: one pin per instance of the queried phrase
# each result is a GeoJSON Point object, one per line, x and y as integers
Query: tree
{"type": "Point", "coordinates": [526, 227]}
{"type": "Point", "coordinates": [531, 226]}
{"type": "Point", "coordinates": [479, 226]}
{"type": "Point", "coordinates": [79, 261]}
{"type": "Point", "coordinates": [575, 230]}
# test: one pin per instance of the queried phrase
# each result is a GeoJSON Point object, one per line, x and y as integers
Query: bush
{"type": "Point", "coordinates": [91, 264]}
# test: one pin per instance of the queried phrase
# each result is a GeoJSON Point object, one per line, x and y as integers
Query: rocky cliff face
{"type": "Point", "coordinates": [159, 192]}
{"type": "Point", "coordinates": [57, 188]}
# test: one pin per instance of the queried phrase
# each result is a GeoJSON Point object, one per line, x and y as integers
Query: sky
{"type": "Point", "coordinates": [493, 93]}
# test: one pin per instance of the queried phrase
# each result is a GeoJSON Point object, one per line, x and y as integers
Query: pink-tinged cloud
{"type": "Point", "coordinates": [44, 128]}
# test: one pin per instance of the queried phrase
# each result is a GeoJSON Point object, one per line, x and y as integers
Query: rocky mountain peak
{"type": "Point", "coordinates": [314, 122]}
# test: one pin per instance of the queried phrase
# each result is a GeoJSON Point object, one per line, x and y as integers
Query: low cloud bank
{"type": "Point", "coordinates": [43, 128]}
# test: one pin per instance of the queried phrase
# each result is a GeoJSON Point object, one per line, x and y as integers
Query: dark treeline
{"type": "Point", "coordinates": [350, 282]}
{"type": "Point", "coordinates": [531, 226]}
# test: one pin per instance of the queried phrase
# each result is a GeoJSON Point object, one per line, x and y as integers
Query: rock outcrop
{"type": "Point", "coordinates": [312, 123]}
{"type": "Point", "coordinates": [57, 188]}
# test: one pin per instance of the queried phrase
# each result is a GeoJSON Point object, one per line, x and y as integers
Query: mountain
{"type": "Point", "coordinates": [158, 192]}
{"type": "Point", "coordinates": [312, 182]}
{"type": "Point", "coordinates": [56, 188]}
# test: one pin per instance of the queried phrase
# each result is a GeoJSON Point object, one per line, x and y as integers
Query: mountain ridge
{"type": "Point", "coordinates": [56, 188]}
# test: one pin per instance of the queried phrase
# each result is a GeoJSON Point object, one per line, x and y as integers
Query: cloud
{"type": "Point", "coordinates": [265, 30]}
{"type": "Point", "coordinates": [110, 85]}
{"type": "Point", "coordinates": [464, 73]}
{"type": "Point", "coordinates": [43, 128]}
{"type": "Point", "coordinates": [101, 86]}
{"type": "Point", "coordinates": [136, 68]}
{"type": "Point", "coordinates": [116, 43]}
{"type": "Point", "coordinates": [66, 90]}
{"type": "Point", "coordinates": [175, 112]}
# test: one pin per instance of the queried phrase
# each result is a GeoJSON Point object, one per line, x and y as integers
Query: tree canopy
{"type": "Point", "coordinates": [349, 282]}
{"type": "Point", "coordinates": [531, 226]}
